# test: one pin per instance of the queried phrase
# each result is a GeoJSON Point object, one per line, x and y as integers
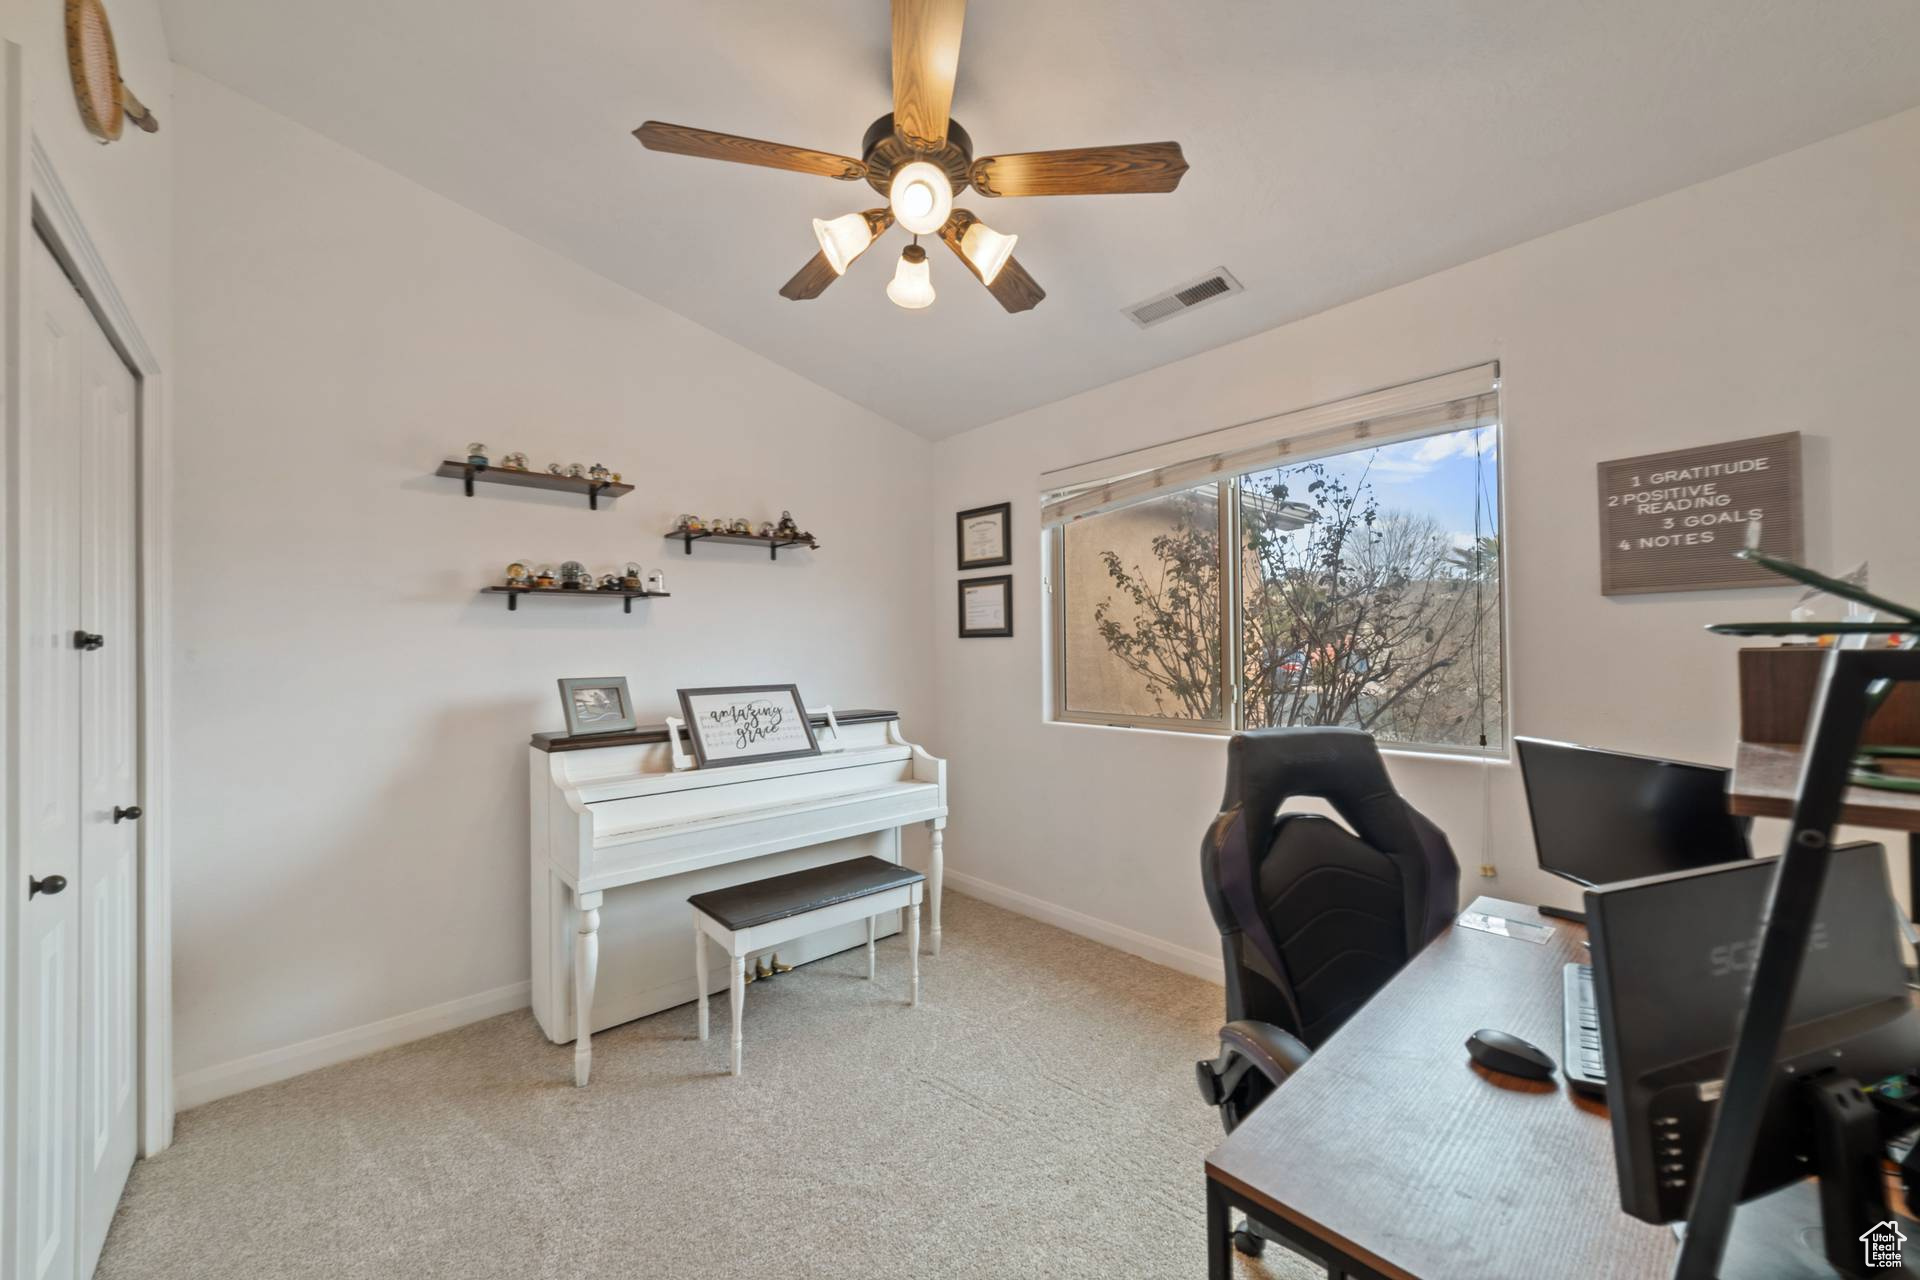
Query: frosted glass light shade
{"type": "Point", "coordinates": [987, 250]}
{"type": "Point", "coordinates": [921, 197]}
{"type": "Point", "coordinates": [912, 285]}
{"type": "Point", "coordinates": [843, 239]}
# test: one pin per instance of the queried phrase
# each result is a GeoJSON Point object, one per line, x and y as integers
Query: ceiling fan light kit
{"type": "Point", "coordinates": [921, 197]}
{"type": "Point", "coordinates": [847, 237]}
{"type": "Point", "coordinates": [986, 249]}
{"type": "Point", "coordinates": [920, 158]}
{"type": "Point", "coordinates": [912, 284]}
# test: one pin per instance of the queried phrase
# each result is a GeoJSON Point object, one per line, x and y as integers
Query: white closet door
{"type": "Point", "coordinates": [109, 777]}
{"type": "Point", "coordinates": [44, 1179]}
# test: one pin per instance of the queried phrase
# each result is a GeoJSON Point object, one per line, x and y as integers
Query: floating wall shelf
{"type": "Point", "coordinates": [513, 595]}
{"type": "Point", "coordinates": [689, 537]}
{"type": "Point", "coordinates": [459, 469]}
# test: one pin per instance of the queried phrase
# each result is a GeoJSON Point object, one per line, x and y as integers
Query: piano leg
{"type": "Point", "coordinates": [700, 974]}
{"type": "Point", "coordinates": [738, 996]}
{"type": "Point", "coordinates": [913, 951]}
{"type": "Point", "coordinates": [586, 966]}
{"type": "Point", "coordinates": [870, 933]}
{"type": "Point", "coordinates": [936, 869]}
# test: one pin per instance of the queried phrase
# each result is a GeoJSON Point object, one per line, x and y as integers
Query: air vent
{"type": "Point", "coordinates": [1183, 298]}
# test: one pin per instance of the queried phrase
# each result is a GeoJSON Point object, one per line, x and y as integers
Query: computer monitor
{"type": "Point", "coordinates": [1602, 816]}
{"type": "Point", "coordinates": [1672, 957]}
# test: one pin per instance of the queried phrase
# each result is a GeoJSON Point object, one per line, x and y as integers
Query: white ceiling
{"type": "Point", "coordinates": [1338, 147]}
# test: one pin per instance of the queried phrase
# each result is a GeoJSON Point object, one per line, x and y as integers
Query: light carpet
{"type": "Point", "coordinates": [1036, 1116]}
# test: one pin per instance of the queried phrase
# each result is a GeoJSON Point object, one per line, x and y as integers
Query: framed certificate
{"type": "Point", "coordinates": [744, 723]}
{"type": "Point", "coordinates": [984, 536]}
{"type": "Point", "coordinates": [986, 606]}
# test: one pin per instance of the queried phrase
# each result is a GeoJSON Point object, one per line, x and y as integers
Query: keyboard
{"type": "Point", "coordinates": [1582, 1063]}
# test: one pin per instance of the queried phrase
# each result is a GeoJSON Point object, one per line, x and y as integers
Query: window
{"type": "Point", "coordinates": [1363, 586]}
{"type": "Point", "coordinates": [1142, 607]}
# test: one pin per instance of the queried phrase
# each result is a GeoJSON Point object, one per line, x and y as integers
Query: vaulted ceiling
{"type": "Point", "coordinates": [1337, 147]}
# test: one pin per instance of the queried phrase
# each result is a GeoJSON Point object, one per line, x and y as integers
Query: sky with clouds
{"type": "Point", "coordinates": [1435, 475]}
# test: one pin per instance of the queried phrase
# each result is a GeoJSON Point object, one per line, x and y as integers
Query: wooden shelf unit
{"type": "Point", "coordinates": [513, 595]}
{"type": "Point", "coordinates": [459, 469]}
{"type": "Point", "coordinates": [687, 537]}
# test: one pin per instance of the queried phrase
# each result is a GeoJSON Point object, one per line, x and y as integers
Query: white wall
{"type": "Point", "coordinates": [352, 716]}
{"type": "Point", "coordinates": [1780, 297]}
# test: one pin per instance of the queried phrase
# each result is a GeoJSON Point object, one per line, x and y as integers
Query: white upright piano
{"type": "Point", "coordinates": [623, 831]}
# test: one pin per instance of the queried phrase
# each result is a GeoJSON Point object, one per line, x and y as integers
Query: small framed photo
{"type": "Point", "coordinates": [984, 536]}
{"type": "Point", "coordinates": [986, 606]}
{"type": "Point", "coordinates": [740, 724]}
{"type": "Point", "coordinates": [596, 704]}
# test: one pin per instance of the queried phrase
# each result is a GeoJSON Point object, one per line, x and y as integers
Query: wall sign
{"type": "Point", "coordinates": [743, 723]}
{"type": "Point", "coordinates": [1672, 521]}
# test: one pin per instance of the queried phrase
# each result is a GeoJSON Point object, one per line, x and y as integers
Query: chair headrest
{"type": "Point", "coordinates": [1268, 767]}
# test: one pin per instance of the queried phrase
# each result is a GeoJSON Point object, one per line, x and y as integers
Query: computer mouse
{"type": "Point", "coordinates": [1509, 1054]}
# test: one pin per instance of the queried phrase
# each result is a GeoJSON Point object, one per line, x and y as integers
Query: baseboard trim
{"type": "Point", "coordinates": [1132, 941]}
{"type": "Point", "coordinates": [275, 1065]}
{"type": "Point", "coordinates": [227, 1078]}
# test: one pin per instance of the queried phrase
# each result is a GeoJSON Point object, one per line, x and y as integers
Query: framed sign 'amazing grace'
{"type": "Point", "coordinates": [744, 723]}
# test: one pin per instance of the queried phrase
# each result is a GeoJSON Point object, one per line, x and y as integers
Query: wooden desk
{"type": "Point", "coordinates": [1390, 1156]}
{"type": "Point", "coordinates": [1766, 778]}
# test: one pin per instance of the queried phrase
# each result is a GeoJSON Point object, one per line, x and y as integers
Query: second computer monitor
{"type": "Point", "coordinates": [1604, 816]}
{"type": "Point", "coordinates": [1672, 957]}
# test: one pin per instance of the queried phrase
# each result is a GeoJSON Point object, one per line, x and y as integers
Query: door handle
{"type": "Point", "coordinates": [131, 813]}
{"type": "Point", "coordinates": [50, 886]}
{"type": "Point", "coordinates": [88, 640]}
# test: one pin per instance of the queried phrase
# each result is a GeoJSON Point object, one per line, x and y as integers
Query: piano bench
{"type": "Point", "coordinates": [745, 918]}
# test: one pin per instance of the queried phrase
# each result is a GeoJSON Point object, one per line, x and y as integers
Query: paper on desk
{"type": "Point", "coordinates": [1525, 932]}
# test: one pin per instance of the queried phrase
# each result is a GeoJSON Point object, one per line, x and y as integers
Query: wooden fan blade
{"type": "Point", "coordinates": [1012, 288]}
{"type": "Point", "coordinates": [1082, 171]}
{"type": "Point", "coordinates": [926, 56]}
{"type": "Point", "coordinates": [137, 110]}
{"type": "Point", "coordinates": [811, 280]}
{"type": "Point", "coordinates": [682, 140]}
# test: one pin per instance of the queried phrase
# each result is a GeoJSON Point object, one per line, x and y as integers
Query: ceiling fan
{"type": "Point", "coordinates": [921, 160]}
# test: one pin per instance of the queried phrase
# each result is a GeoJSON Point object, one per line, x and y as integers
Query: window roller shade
{"type": "Point", "coordinates": [1450, 402]}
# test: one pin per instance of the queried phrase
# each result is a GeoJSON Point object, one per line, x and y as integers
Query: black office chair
{"type": "Point", "coordinates": [1313, 918]}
